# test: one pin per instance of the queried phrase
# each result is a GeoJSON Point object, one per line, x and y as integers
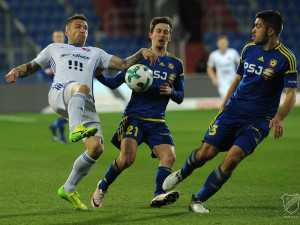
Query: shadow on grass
{"type": "Point", "coordinates": [28, 214]}
{"type": "Point", "coordinates": [248, 207]}
{"type": "Point", "coordinates": [124, 218]}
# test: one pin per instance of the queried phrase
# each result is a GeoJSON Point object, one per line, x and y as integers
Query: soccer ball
{"type": "Point", "coordinates": [139, 78]}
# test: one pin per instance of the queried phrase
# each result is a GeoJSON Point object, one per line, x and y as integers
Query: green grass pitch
{"type": "Point", "coordinates": [33, 167]}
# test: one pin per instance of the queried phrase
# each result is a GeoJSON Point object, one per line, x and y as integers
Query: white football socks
{"type": "Point", "coordinates": [75, 110]}
{"type": "Point", "coordinates": [81, 168]}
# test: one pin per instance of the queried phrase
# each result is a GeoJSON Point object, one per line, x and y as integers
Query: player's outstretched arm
{"type": "Point", "coordinates": [123, 64]}
{"type": "Point", "coordinates": [288, 104]}
{"type": "Point", "coordinates": [111, 82]}
{"type": "Point", "coordinates": [22, 71]}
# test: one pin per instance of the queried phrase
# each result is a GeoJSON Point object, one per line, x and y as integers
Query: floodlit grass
{"type": "Point", "coordinates": [33, 167]}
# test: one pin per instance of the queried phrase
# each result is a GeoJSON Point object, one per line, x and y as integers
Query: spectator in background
{"type": "Point", "coordinates": [57, 37]}
{"type": "Point", "coordinates": [222, 66]}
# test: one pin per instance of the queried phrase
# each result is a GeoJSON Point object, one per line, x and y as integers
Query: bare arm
{"type": "Point", "coordinates": [288, 104]}
{"type": "Point", "coordinates": [22, 71]}
{"type": "Point", "coordinates": [212, 75]}
{"type": "Point", "coordinates": [123, 64]}
{"type": "Point", "coordinates": [235, 83]}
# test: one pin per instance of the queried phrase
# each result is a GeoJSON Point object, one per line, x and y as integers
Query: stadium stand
{"type": "Point", "coordinates": [244, 14]}
{"type": "Point", "coordinates": [120, 37]}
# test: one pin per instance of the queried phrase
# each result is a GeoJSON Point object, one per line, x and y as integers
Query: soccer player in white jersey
{"type": "Point", "coordinates": [71, 94]}
{"type": "Point", "coordinates": [222, 65]}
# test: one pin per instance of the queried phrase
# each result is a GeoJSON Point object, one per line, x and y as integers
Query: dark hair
{"type": "Point", "coordinates": [271, 19]}
{"type": "Point", "coordinates": [158, 20]}
{"type": "Point", "coordinates": [76, 17]}
{"type": "Point", "coordinates": [222, 37]}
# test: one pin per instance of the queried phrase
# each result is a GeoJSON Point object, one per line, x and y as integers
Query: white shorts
{"type": "Point", "coordinates": [59, 97]}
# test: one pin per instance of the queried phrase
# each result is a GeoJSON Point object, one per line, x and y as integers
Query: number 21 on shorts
{"type": "Point", "coordinates": [130, 130]}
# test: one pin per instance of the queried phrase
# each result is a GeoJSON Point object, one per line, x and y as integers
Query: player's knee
{"type": "Point", "coordinates": [168, 159]}
{"type": "Point", "coordinates": [84, 89]}
{"type": "Point", "coordinates": [229, 164]}
{"type": "Point", "coordinates": [94, 147]}
{"type": "Point", "coordinates": [206, 153]}
{"type": "Point", "coordinates": [125, 162]}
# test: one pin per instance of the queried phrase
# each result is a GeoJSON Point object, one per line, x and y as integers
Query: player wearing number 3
{"type": "Point", "coordinates": [71, 94]}
{"type": "Point", "coordinates": [144, 117]}
{"type": "Point", "coordinates": [249, 109]}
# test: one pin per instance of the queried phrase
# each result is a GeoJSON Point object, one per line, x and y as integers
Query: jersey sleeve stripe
{"type": "Point", "coordinates": [289, 55]}
{"type": "Point", "coordinates": [249, 44]}
{"type": "Point", "coordinates": [291, 71]}
{"type": "Point", "coordinates": [173, 56]}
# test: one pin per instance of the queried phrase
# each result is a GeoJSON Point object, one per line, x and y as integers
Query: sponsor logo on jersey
{"type": "Point", "coordinates": [64, 55]}
{"type": "Point", "coordinates": [86, 49]}
{"type": "Point", "coordinates": [261, 59]}
{"type": "Point", "coordinates": [162, 64]}
{"type": "Point", "coordinates": [76, 56]}
{"type": "Point", "coordinates": [268, 74]}
{"type": "Point", "coordinates": [171, 66]}
{"type": "Point", "coordinates": [273, 62]}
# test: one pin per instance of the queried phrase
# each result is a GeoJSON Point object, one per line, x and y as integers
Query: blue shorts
{"type": "Point", "coordinates": [232, 128]}
{"type": "Point", "coordinates": [151, 132]}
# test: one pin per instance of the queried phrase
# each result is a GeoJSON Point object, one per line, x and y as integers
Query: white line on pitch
{"type": "Point", "coordinates": [17, 119]}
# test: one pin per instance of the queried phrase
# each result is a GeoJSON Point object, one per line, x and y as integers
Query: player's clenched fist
{"type": "Point", "coordinates": [12, 76]}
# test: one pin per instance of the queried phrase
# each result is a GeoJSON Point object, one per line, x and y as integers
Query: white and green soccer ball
{"type": "Point", "coordinates": [139, 78]}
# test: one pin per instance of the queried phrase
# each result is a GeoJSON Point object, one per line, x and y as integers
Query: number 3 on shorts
{"type": "Point", "coordinates": [213, 130]}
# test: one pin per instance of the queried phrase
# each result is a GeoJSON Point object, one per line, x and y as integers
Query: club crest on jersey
{"type": "Point", "coordinates": [86, 49]}
{"type": "Point", "coordinates": [268, 74]}
{"type": "Point", "coordinates": [273, 63]}
{"type": "Point", "coordinates": [171, 66]}
{"type": "Point", "coordinates": [171, 78]}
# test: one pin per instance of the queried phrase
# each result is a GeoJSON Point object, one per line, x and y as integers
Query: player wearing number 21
{"type": "Point", "coordinates": [71, 94]}
{"type": "Point", "coordinates": [144, 117]}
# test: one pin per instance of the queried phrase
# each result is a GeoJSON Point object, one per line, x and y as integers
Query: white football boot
{"type": "Point", "coordinates": [97, 198]}
{"type": "Point", "coordinates": [196, 205]}
{"type": "Point", "coordinates": [165, 199]}
{"type": "Point", "coordinates": [172, 180]}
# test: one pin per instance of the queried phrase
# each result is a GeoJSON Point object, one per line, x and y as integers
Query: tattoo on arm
{"type": "Point", "coordinates": [134, 59]}
{"type": "Point", "coordinates": [27, 69]}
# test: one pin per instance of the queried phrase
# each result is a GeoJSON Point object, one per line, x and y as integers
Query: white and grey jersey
{"type": "Point", "coordinates": [225, 64]}
{"type": "Point", "coordinates": [73, 63]}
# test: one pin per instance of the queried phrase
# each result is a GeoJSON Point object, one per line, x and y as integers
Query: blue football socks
{"type": "Point", "coordinates": [213, 183]}
{"type": "Point", "coordinates": [161, 175]}
{"type": "Point", "coordinates": [190, 164]}
{"type": "Point", "coordinates": [60, 124]}
{"type": "Point", "coordinates": [112, 173]}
